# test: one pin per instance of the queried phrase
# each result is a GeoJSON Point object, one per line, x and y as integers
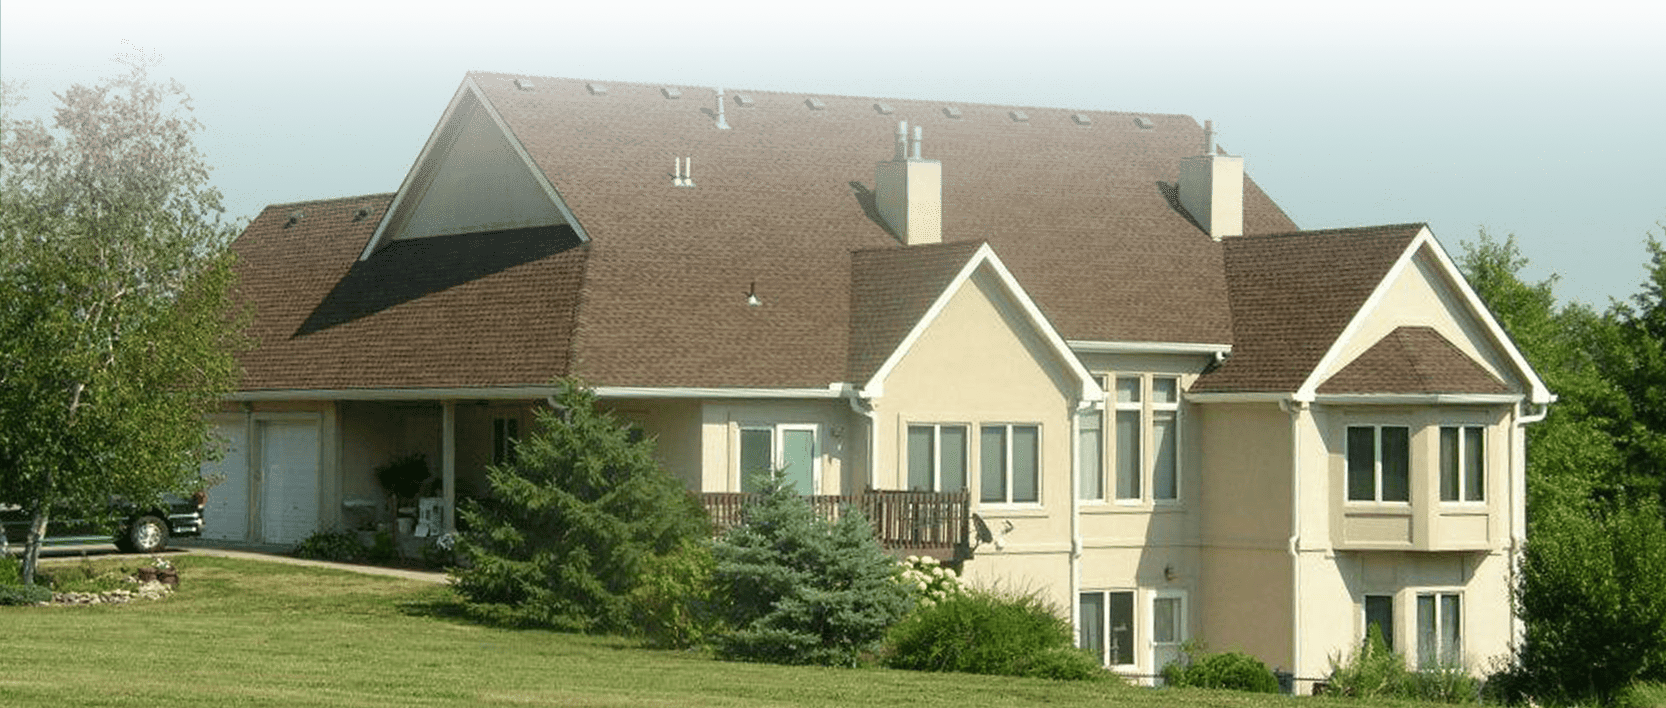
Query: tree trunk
{"type": "Point", "coordinates": [31, 547]}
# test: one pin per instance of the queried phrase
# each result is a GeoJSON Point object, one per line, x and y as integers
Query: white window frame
{"type": "Point", "coordinates": [1376, 464]}
{"type": "Point", "coordinates": [1416, 648]}
{"type": "Point", "coordinates": [1464, 493]}
{"type": "Point", "coordinates": [1148, 408]}
{"type": "Point", "coordinates": [1104, 621]}
{"type": "Point", "coordinates": [1040, 464]}
{"type": "Point", "coordinates": [777, 440]}
{"type": "Point", "coordinates": [937, 452]}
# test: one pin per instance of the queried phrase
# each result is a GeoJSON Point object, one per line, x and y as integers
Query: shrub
{"type": "Point", "coordinates": [571, 524]}
{"type": "Point", "coordinates": [24, 594]}
{"type": "Point", "coordinates": [11, 572]}
{"type": "Point", "coordinates": [1374, 671]}
{"type": "Point", "coordinates": [990, 632]}
{"type": "Point", "coordinates": [337, 546]}
{"type": "Point", "coordinates": [1592, 593]}
{"type": "Point", "coordinates": [1232, 670]}
{"type": "Point", "coordinates": [801, 590]}
{"type": "Point", "coordinates": [927, 581]}
{"type": "Point", "coordinates": [676, 605]}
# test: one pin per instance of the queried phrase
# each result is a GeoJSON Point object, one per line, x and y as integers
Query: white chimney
{"type": "Point", "coordinates": [1212, 189]}
{"type": "Point", "coordinates": [909, 192]}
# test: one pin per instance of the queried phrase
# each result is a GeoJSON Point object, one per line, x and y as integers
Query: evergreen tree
{"type": "Point", "coordinates": [570, 526]}
{"type": "Point", "coordinates": [801, 590]}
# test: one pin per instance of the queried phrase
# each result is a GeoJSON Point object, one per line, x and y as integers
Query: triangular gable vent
{"type": "Point", "coordinates": [473, 176]}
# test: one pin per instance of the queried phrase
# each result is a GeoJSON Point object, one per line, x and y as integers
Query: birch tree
{"type": "Point", "coordinates": [116, 327]}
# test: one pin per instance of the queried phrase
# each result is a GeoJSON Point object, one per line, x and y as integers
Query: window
{"type": "Point", "coordinates": [505, 433]}
{"type": "Point", "coordinates": [1009, 463]}
{"type": "Point", "coordinates": [788, 448]}
{"type": "Point", "coordinates": [1379, 611]}
{"type": "Point", "coordinates": [1090, 455]}
{"type": "Point", "coordinates": [1106, 622]}
{"type": "Point", "coordinates": [937, 458]}
{"type": "Point", "coordinates": [1463, 463]}
{"type": "Point", "coordinates": [1379, 463]}
{"type": "Point", "coordinates": [1147, 411]}
{"type": "Point", "coordinates": [1439, 629]}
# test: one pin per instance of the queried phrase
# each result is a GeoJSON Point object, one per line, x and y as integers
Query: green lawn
{"type": "Point", "coordinates": [256, 633]}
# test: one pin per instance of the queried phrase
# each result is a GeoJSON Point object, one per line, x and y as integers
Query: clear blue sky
{"type": "Point", "coordinates": [1538, 119]}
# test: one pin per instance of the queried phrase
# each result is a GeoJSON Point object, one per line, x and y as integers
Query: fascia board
{"type": "Point", "coordinates": [1539, 394]}
{"type": "Point", "coordinates": [1405, 399]}
{"type": "Point", "coordinates": [1084, 346]}
{"type": "Point", "coordinates": [985, 255]}
{"type": "Point", "coordinates": [394, 394]}
{"type": "Point", "coordinates": [469, 89]}
{"type": "Point", "coordinates": [837, 390]}
{"type": "Point", "coordinates": [1237, 397]}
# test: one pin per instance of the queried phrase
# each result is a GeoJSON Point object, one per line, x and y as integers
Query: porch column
{"type": "Point", "coordinates": [448, 463]}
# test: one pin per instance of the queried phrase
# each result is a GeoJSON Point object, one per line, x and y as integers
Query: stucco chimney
{"type": "Point", "coordinates": [1212, 189]}
{"type": "Point", "coordinates": [909, 192]}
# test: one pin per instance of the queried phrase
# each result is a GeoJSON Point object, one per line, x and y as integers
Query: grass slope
{"type": "Point", "coordinates": [254, 633]}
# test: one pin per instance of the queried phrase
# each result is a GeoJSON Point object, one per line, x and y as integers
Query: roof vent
{"type": "Point", "coordinates": [597, 89]}
{"type": "Point", "coordinates": [951, 111]}
{"type": "Point", "coordinates": [523, 84]}
{"type": "Point", "coordinates": [722, 122]}
{"type": "Point", "coordinates": [1019, 116]}
{"type": "Point", "coordinates": [883, 109]}
{"type": "Point", "coordinates": [1144, 123]}
{"type": "Point", "coordinates": [815, 104]}
{"type": "Point", "coordinates": [362, 214]}
{"type": "Point", "coordinates": [744, 100]}
{"type": "Point", "coordinates": [1082, 118]}
{"type": "Point", "coordinates": [671, 93]}
{"type": "Point", "coordinates": [682, 172]}
{"type": "Point", "coordinates": [295, 217]}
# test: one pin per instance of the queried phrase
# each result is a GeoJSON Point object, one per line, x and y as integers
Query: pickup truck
{"type": "Point", "coordinates": [133, 528]}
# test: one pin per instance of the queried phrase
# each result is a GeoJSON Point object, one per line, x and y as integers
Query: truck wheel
{"type": "Point", "coordinates": [147, 534]}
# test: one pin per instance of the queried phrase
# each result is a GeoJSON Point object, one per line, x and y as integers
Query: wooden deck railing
{"type": "Point", "coordinates": [906, 523]}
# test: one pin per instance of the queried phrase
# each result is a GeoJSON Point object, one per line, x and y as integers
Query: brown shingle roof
{"type": "Point", "coordinates": [890, 290]}
{"type": "Point", "coordinates": [1082, 215]}
{"type": "Point", "coordinates": [490, 309]}
{"type": "Point", "coordinates": [1292, 294]}
{"type": "Point", "coordinates": [1413, 359]}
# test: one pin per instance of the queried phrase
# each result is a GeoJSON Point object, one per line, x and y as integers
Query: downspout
{"type": "Point", "coordinates": [1076, 515]}
{"type": "Point", "coordinates": [854, 398]}
{"type": "Point", "coordinates": [1293, 544]}
{"type": "Point", "coordinates": [1517, 499]}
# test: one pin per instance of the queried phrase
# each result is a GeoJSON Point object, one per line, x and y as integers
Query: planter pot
{"type": "Point", "coordinates": [145, 574]}
{"type": "Point", "coordinates": [169, 577]}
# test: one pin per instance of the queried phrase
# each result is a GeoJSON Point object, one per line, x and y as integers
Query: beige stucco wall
{"type": "Point", "coordinates": [673, 424]}
{"type": "Point", "coordinates": [721, 421]}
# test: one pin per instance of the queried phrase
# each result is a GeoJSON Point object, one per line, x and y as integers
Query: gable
{"type": "Point", "coordinates": [471, 177]}
{"type": "Point", "coordinates": [1422, 292]}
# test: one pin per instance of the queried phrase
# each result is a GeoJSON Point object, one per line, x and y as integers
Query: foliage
{"type": "Point", "coordinates": [10, 571]}
{"type": "Point", "coordinates": [676, 604]}
{"type": "Point", "coordinates": [801, 590]}
{"type": "Point", "coordinates": [982, 631]}
{"type": "Point", "coordinates": [927, 580]}
{"type": "Point", "coordinates": [116, 329]}
{"type": "Point", "coordinates": [1591, 594]}
{"type": "Point", "coordinates": [24, 594]}
{"type": "Point", "coordinates": [1375, 672]}
{"type": "Point", "coordinates": [1232, 670]}
{"type": "Point", "coordinates": [337, 546]}
{"type": "Point", "coordinates": [404, 476]}
{"type": "Point", "coordinates": [570, 526]}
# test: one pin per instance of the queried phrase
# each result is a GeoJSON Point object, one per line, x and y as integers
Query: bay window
{"type": "Point", "coordinates": [1463, 463]}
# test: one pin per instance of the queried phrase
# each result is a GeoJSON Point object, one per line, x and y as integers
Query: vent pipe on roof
{"type": "Point", "coordinates": [682, 172]}
{"type": "Point", "coordinates": [1212, 189]}
{"type": "Point", "coordinates": [721, 123]}
{"type": "Point", "coordinates": [908, 190]}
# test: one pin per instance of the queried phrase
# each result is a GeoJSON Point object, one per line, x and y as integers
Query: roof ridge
{"type": "Point", "coordinates": [822, 94]}
{"type": "Point", "coordinates": [310, 202]}
{"type": "Point", "coordinates": [1337, 231]}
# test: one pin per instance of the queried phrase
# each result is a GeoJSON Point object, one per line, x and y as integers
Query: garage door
{"type": "Point", "coordinates": [289, 479]}
{"type": "Point", "coordinates": [226, 516]}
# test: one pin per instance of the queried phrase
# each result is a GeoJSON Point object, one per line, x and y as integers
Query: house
{"type": "Point", "coordinates": [1159, 402]}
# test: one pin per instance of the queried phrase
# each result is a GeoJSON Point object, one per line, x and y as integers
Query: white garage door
{"type": "Point", "coordinates": [289, 479]}
{"type": "Point", "coordinates": [226, 516]}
